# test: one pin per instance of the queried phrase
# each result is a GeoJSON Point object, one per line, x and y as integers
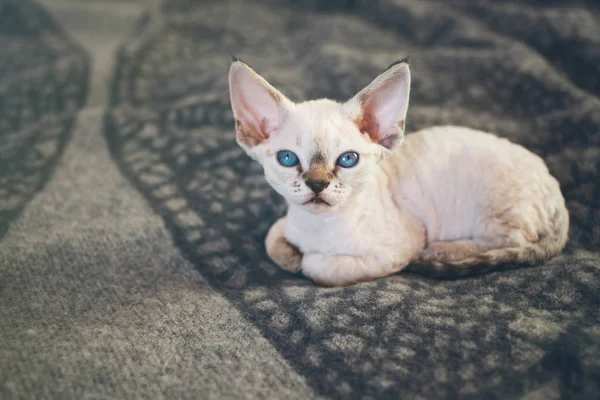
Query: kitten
{"type": "Point", "coordinates": [365, 202]}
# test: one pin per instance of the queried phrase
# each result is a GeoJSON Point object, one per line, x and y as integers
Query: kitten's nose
{"type": "Point", "coordinates": [317, 186]}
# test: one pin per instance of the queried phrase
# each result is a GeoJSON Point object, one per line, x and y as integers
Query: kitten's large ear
{"type": "Point", "coordinates": [258, 108]}
{"type": "Point", "coordinates": [379, 110]}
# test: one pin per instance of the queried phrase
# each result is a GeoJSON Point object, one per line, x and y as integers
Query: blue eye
{"type": "Point", "coordinates": [348, 160]}
{"type": "Point", "coordinates": [287, 158]}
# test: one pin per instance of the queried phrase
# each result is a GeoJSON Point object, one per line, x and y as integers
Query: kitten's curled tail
{"type": "Point", "coordinates": [547, 246]}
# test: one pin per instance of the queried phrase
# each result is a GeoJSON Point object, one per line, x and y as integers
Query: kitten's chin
{"type": "Point", "coordinates": [317, 208]}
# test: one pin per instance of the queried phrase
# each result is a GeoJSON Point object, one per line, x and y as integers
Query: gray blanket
{"type": "Point", "coordinates": [131, 226]}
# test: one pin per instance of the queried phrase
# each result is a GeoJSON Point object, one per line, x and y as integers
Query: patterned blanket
{"type": "Point", "coordinates": [132, 262]}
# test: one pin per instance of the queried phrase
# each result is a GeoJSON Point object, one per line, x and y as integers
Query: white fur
{"type": "Point", "coordinates": [395, 206]}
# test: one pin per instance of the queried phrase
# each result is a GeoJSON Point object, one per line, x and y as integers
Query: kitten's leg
{"type": "Point", "coordinates": [282, 252]}
{"type": "Point", "coordinates": [449, 252]}
{"type": "Point", "coordinates": [346, 270]}
{"type": "Point", "coordinates": [502, 243]}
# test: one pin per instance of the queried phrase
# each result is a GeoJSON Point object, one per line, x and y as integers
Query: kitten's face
{"type": "Point", "coordinates": [318, 154]}
{"type": "Point", "coordinates": [319, 158]}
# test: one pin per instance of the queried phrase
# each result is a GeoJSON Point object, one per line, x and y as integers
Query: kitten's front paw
{"type": "Point", "coordinates": [330, 271]}
{"type": "Point", "coordinates": [286, 256]}
{"type": "Point", "coordinates": [344, 270]}
{"type": "Point", "coordinates": [282, 252]}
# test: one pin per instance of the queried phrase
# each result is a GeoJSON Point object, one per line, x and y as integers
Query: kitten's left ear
{"type": "Point", "coordinates": [379, 110]}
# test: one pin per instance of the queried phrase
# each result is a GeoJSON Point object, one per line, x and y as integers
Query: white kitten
{"type": "Point", "coordinates": [364, 203]}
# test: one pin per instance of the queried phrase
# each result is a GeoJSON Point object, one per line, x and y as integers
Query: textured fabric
{"type": "Point", "coordinates": [131, 226]}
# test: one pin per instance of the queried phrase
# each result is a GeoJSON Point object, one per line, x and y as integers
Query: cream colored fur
{"type": "Point", "coordinates": [440, 197]}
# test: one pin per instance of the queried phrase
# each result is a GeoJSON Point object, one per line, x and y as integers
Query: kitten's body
{"type": "Point", "coordinates": [462, 196]}
{"type": "Point", "coordinates": [447, 196]}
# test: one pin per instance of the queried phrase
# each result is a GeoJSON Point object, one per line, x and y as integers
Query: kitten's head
{"type": "Point", "coordinates": [319, 153]}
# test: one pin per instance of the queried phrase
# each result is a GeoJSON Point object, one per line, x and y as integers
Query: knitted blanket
{"type": "Point", "coordinates": [132, 262]}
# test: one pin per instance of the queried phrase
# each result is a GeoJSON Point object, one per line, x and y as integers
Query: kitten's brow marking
{"type": "Point", "coordinates": [318, 158]}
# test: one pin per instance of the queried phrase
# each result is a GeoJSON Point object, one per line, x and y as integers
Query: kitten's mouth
{"type": "Point", "coordinates": [317, 200]}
